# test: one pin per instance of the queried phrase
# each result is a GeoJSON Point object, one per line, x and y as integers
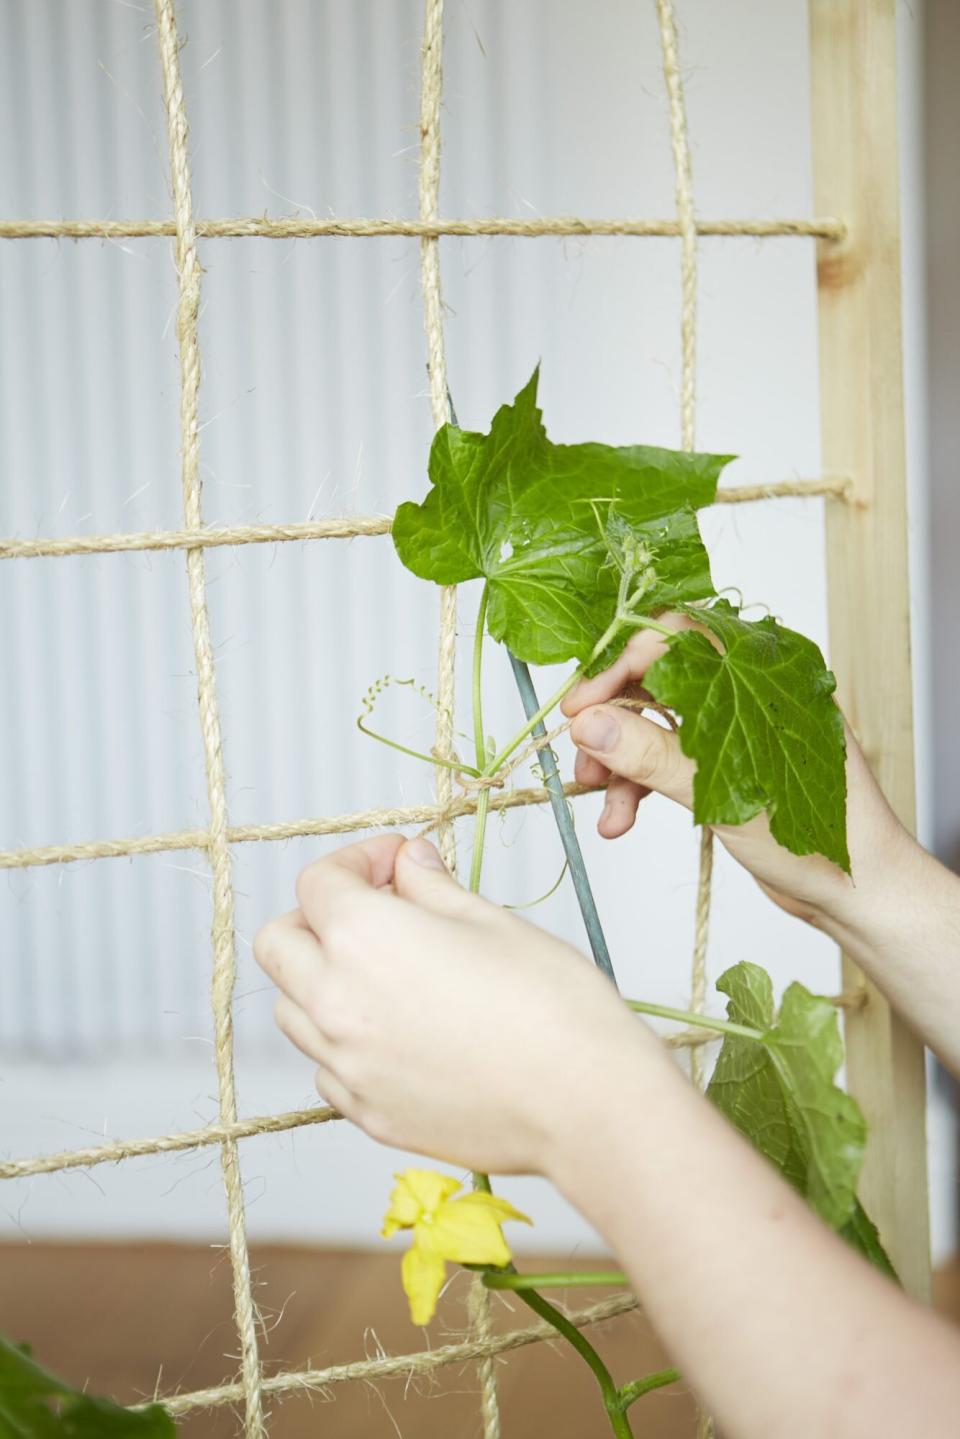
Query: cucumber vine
{"type": "Point", "coordinates": [578, 547]}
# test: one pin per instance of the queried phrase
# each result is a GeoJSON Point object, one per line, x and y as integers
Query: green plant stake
{"type": "Point", "coordinates": [564, 822]}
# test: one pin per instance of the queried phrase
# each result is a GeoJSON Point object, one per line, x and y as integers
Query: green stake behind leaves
{"type": "Point", "coordinates": [550, 527]}
{"type": "Point", "coordinates": [760, 721]}
{"type": "Point", "coordinates": [35, 1405]}
{"type": "Point", "coordinates": [779, 1091]}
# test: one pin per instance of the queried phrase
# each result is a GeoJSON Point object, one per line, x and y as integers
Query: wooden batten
{"type": "Point", "coordinates": [854, 119]}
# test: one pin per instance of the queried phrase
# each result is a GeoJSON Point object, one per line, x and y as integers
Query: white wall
{"type": "Point", "coordinates": [314, 403]}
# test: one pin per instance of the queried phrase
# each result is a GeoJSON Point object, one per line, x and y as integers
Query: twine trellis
{"type": "Point", "coordinates": [217, 838]}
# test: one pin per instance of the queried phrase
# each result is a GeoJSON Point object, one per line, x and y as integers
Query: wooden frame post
{"type": "Point", "coordinates": [854, 119]}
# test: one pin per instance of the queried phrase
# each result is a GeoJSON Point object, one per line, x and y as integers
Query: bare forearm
{"type": "Point", "coordinates": [907, 939]}
{"type": "Point", "coordinates": [782, 1329]}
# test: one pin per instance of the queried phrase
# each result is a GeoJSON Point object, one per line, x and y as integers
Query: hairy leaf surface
{"type": "Point", "coordinates": [535, 520]}
{"type": "Point", "coordinates": [760, 721]}
{"type": "Point", "coordinates": [35, 1405]}
{"type": "Point", "coordinates": [781, 1094]}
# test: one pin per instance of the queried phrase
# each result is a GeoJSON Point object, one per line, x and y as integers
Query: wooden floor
{"type": "Point", "coordinates": [127, 1320]}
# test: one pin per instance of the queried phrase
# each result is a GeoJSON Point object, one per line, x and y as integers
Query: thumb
{"type": "Point", "coordinates": [638, 749]}
{"type": "Point", "coordinates": [421, 876]}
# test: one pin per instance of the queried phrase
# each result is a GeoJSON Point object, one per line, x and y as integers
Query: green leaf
{"type": "Point", "coordinates": [861, 1233]}
{"type": "Point", "coordinates": [760, 721]}
{"type": "Point", "coordinates": [36, 1405]}
{"type": "Point", "coordinates": [779, 1091]}
{"type": "Point", "coordinates": [544, 524]}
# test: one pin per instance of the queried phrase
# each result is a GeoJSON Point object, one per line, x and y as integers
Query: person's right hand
{"type": "Point", "coordinates": [634, 755]}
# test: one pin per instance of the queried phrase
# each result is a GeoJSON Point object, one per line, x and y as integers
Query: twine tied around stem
{"type": "Point", "coordinates": [634, 699]}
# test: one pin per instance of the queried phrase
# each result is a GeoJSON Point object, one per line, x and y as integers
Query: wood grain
{"type": "Point", "coordinates": [854, 116]}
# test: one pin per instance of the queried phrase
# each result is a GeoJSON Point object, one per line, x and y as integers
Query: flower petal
{"type": "Point", "coordinates": [468, 1229]}
{"type": "Point", "coordinates": [417, 1190]}
{"type": "Point", "coordinates": [423, 1273]}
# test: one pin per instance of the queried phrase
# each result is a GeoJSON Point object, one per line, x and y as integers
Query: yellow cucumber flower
{"type": "Point", "coordinates": [465, 1231]}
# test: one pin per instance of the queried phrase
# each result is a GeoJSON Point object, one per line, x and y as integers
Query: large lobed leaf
{"type": "Point", "coordinates": [780, 1093]}
{"type": "Point", "coordinates": [760, 721]}
{"type": "Point", "coordinates": [534, 519]}
{"type": "Point", "coordinates": [567, 537]}
{"type": "Point", "coordinates": [35, 1405]}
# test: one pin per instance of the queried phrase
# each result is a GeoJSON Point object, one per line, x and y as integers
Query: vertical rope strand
{"type": "Point", "coordinates": [224, 942]}
{"type": "Point", "coordinates": [431, 91]}
{"type": "Point", "coordinates": [431, 94]}
{"type": "Point", "coordinates": [683, 172]}
{"type": "Point", "coordinates": [683, 177]}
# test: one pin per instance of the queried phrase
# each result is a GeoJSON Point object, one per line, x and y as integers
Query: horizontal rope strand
{"type": "Point", "coordinates": [186, 839]}
{"type": "Point", "coordinates": [119, 1149]}
{"type": "Point", "coordinates": [345, 528]}
{"type": "Point", "coordinates": [294, 227]}
{"type": "Point", "coordinates": [336, 528]}
{"type": "Point", "coordinates": [115, 1150]}
{"type": "Point", "coordinates": [395, 1366]}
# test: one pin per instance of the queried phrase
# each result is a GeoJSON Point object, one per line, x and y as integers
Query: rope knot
{"type": "Point", "coordinates": [475, 784]}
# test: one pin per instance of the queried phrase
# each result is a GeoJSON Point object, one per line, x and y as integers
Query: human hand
{"type": "Point", "coordinates": [438, 1021]}
{"type": "Point", "coordinates": [633, 756]}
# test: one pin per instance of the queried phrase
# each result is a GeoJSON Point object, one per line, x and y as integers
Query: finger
{"type": "Point", "coordinates": [357, 867]}
{"type": "Point", "coordinates": [589, 771]}
{"type": "Point", "coordinates": [422, 877]}
{"type": "Point", "coordinates": [289, 952]}
{"type": "Point", "coordinates": [620, 810]}
{"type": "Point", "coordinates": [300, 1029]}
{"type": "Point", "coordinates": [632, 664]}
{"type": "Point", "coordinates": [638, 749]}
{"type": "Point", "coordinates": [330, 1088]}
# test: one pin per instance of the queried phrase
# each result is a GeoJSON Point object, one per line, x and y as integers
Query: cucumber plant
{"type": "Point", "coordinates": [577, 547]}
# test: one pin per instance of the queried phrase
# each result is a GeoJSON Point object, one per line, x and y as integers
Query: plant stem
{"type": "Point", "coordinates": [612, 1400]}
{"type": "Point", "coordinates": [698, 1021]}
{"type": "Point", "coordinates": [479, 738]}
{"type": "Point", "coordinates": [611, 1395]}
{"type": "Point", "coordinates": [418, 754]}
{"type": "Point", "coordinates": [622, 620]}
{"type": "Point", "coordinates": [480, 746]}
{"type": "Point", "coordinates": [533, 721]}
{"type": "Point", "coordinates": [500, 1279]}
{"type": "Point", "coordinates": [564, 822]}
{"type": "Point", "coordinates": [630, 1393]}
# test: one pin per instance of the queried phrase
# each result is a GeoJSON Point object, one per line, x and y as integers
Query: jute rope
{"type": "Point", "coordinates": [431, 94]}
{"type": "Point", "coordinates": [217, 845]}
{"type": "Point", "coordinates": [299, 227]}
{"type": "Point", "coordinates": [187, 839]}
{"type": "Point", "coordinates": [119, 1149]}
{"type": "Point", "coordinates": [335, 528]}
{"type": "Point", "coordinates": [683, 174]}
{"type": "Point", "coordinates": [402, 1365]}
{"type": "Point", "coordinates": [115, 1150]}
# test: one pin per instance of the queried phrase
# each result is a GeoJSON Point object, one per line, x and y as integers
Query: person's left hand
{"type": "Point", "coordinates": [438, 1022]}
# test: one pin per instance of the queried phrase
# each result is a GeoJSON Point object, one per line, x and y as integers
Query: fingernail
{"type": "Point", "coordinates": [598, 730]}
{"type": "Point", "coordinates": [421, 851]}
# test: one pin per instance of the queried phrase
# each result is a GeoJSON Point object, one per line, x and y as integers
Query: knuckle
{"type": "Point", "coordinates": [266, 944]}
{"type": "Point", "coordinates": [354, 926]}
{"type": "Point", "coordinates": [331, 1016]}
{"type": "Point", "coordinates": [375, 1125]}
{"type": "Point", "coordinates": [282, 1017]}
{"type": "Point", "coordinates": [646, 753]}
{"type": "Point", "coordinates": [305, 879]}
